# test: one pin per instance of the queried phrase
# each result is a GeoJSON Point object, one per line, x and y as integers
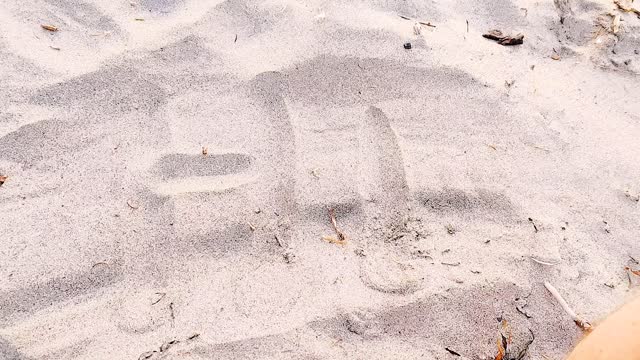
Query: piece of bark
{"type": "Point", "coordinates": [503, 39]}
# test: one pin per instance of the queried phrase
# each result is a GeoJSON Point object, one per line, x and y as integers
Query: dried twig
{"type": "Point", "coordinates": [279, 241]}
{"type": "Point", "coordinates": [452, 352]}
{"type": "Point", "coordinates": [332, 216]}
{"type": "Point", "coordinates": [582, 323]}
{"type": "Point", "coordinates": [147, 355]}
{"type": "Point", "coordinates": [172, 314]}
{"type": "Point", "coordinates": [426, 24]}
{"type": "Point", "coordinates": [164, 347]}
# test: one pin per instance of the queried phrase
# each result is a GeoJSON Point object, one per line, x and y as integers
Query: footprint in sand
{"type": "Point", "coordinates": [384, 188]}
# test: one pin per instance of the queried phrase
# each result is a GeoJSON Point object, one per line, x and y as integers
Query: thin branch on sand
{"type": "Point", "coordinates": [582, 323]}
{"type": "Point", "coordinates": [332, 216]}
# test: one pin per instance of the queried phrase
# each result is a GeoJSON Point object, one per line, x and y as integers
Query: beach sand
{"type": "Point", "coordinates": [463, 175]}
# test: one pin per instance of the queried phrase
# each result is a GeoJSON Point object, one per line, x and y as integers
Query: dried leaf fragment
{"type": "Point", "coordinates": [333, 240]}
{"type": "Point", "coordinates": [634, 272]}
{"type": "Point", "coordinates": [205, 151]}
{"type": "Point", "coordinates": [504, 340]}
{"type": "Point", "coordinates": [501, 350]}
{"type": "Point", "coordinates": [49, 27]}
{"type": "Point", "coordinates": [3, 178]}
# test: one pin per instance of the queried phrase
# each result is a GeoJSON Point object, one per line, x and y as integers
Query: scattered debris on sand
{"type": "Point", "coordinates": [425, 23]}
{"type": "Point", "coordinates": [503, 39]}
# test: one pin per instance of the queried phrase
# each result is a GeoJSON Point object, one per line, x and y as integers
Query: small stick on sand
{"type": "Point", "coordinates": [332, 216]}
{"type": "Point", "coordinates": [582, 323]}
{"type": "Point", "coordinates": [426, 24]}
{"type": "Point", "coordinates": [278, 240]}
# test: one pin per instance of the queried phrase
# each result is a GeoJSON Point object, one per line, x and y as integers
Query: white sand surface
{"type": "Point", "coordinates": [449, 166]}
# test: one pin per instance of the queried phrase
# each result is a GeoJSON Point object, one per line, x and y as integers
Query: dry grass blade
{"type": "Point", "coordinates": [542, 262]}
{"type": "Point", "coordinates": [49, 27]}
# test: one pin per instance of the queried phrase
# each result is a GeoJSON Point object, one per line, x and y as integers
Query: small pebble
{"type": "Point", "coordinates": [407, 45]}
